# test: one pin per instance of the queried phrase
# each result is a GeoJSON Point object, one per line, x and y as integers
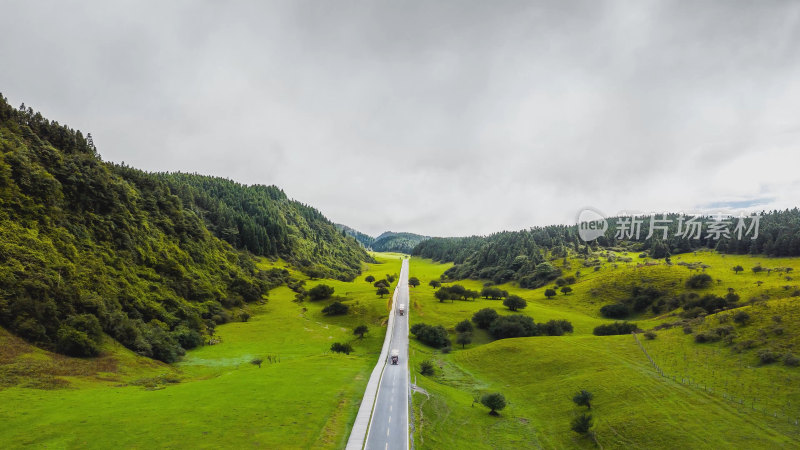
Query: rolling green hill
{"type": "Point", "coordinates": [739, 390]}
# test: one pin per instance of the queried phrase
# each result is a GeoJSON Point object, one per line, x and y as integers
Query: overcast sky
{"type": "Point", "coordinates": [442, 118]}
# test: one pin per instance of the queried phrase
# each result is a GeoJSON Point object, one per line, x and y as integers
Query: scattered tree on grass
{"type": "Point", "coordinates": [381, 283]}
{"type": "Point", "coordinates": [515, 302]}
{"type": "Point", "coordinates": [443, 294]}
{"type": "Point", "coordinates": [434, 284]}
{"type": "Point", "coordinates": [382, 291]}
{"type": "Point", "coordinates": [335, 309]}
{"type": "Point", "coordinates": [493, 293]}
{"type": "Point", "coordinates": [758, 269]}
{"type": "Point", "coordinates": [338, 347]}
{"type": "Point", "coordinates": [495, 402]}
{"type": "Point", "coordinates": [244, 316]}
{"type": "Point", "coordinates": [464, 338]}
{"type": "Point", "coordinates": [320, 292]}
{"type": "Point", "coordinates": [413, 281]}
{"type": "Point", "coordinates": [484, 318]}
{"type": "Point", "coordinates": [455, 292]}
{"type": "Point", "coordinates": [650, 335]}
{"type": "Point", "coordinates": [549, 293]}
{"type": "Point", "coordinates": [582, 423]}
{"type": "Point", "coordinates": [566, 290]}
{"type": "Point", "coordinates": [583, 398]}
{"type": "Point", "coordinates": [257, 362]}
{"type": "Point", "coordinates": [464, 326]}
{"type": "Point", "coordinates": [426, 368]}
{"type": "Point", "coordinates": [369, 279]}
{"type": "Point", "coordinates": [360, 331]}
{"type": "Point", "coordinates": [737, 269]}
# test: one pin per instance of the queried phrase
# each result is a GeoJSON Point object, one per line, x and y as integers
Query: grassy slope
{"type": "Point", "coordinates": [308, 399]}
{"type": "Point", "coordinates": [635, 407]}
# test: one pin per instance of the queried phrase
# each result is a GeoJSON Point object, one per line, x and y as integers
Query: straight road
{"type": "Point", "coordinates": [388, 428]}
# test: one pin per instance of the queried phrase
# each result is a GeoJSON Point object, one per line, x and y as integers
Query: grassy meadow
{"type": "Point", "coordinates": [302, 396]}
{"type": "Point", "coordinates": [635, 406]}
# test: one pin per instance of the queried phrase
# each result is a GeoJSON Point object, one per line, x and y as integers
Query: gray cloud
{"type": "Point", "coordinates": [443, 118]}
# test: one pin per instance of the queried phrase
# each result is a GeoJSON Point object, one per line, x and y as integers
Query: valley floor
{"type": "Point", "coordinates": [302, 396]}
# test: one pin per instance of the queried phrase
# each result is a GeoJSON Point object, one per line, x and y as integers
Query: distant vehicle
{"type": "Point", "coordinates": [395, 356]}
{"type": "Point", "coordinates": [401, 308]}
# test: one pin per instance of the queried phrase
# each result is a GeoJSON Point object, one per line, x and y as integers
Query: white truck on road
{"type": "Point", "coordinates": [401, 309]}
{"type": "Point", "coordinates": [395, 356]}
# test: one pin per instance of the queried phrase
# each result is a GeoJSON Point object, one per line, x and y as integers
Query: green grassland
{"type": "Point", "coordinates": [302, 396]}
{"type": "Point", "coordinates": [707, 404]}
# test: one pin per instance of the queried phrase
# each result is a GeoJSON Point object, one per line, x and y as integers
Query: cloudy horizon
{"type": "Point", "coordinates": [447, 118]}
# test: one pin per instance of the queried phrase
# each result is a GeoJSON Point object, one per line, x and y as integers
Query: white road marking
{"type": "Point", "coordinates": [387, 431]}
{"type": "Point", "coordinates": [390, 419]}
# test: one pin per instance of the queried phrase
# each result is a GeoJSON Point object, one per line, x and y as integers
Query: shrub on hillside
{"type": "Point", "coordinates": [615, 311]}
{"type": "Point", "coordinates": [767, 356]}
{"type": "Point", "coordinates": [187, 338]}
{"type": "Point", "coordinates": [581, 424]}
{"type": "Point", "coordinates": [615, 328]}
{"type": "Point", "coordinates": [426, 368]}
{"type": "Point", "coordinates": [741, 317]}
{"type": "Point", "coordinates": [706, 336]}
{"type": "Point", "coordinates": [790, 360]}
{"type": "Point", "coordinates": [555, 327]}
{"type": "Point", "coordinates": [513, 326]}
{"type": "Point", "coordinates": [338, 347]}
{"type": "Point", "coordinates": [72, 342]}
{"type": "Point", "coordinates": [335, 309]}
{"type": "Point", "coordinates": [711, 303]}
{"type": "Point", "coordinates": [699, 281]}
{"type": "Point", "coordinates": [434, 336]}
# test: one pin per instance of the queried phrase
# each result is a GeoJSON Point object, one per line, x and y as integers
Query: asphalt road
{"type": "Point", "coordinates": [388, 427]}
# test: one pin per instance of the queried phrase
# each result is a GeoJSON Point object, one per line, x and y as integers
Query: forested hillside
{"type": "Point", "coordinates": [397, 242]}
{"type": "Point", "coordinates": [88, 247]}
{"type": "Point", "coordinates": [364, 239]}
{"type": "Point", "coordinates": [262, 220]}
{"type": "Point", "coordinates": [521, 255]}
